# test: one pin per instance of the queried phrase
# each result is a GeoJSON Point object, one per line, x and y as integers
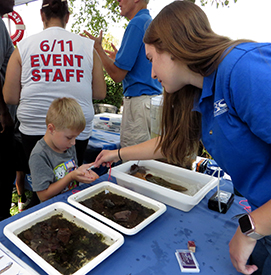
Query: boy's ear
{"type": "Point", "coordinates": [51, 128]}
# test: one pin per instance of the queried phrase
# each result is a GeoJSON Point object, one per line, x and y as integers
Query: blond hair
{"type": "Point", "coordinates": [182, 29]}
{"type": "Point", "coordinates": [66, 113]}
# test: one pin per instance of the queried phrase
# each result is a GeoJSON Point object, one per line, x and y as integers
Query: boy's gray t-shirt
{"type": "Point", "coordinates": [48, 166]}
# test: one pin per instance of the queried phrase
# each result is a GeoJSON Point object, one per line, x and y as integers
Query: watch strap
{"type": "Point", "coordinates": [254, 235]}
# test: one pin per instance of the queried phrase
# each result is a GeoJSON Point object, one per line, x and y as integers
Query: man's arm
{"type": "Point", "coordinates": [6, 48]}
{"type": "Point", "coordinates": [5, 117]}
{"type": "Point", "coordinates": [115, 73]}
{"type": "Point", "coordinates": [12, 87]}
{"type": "Point", "coordinates": [98, 81]}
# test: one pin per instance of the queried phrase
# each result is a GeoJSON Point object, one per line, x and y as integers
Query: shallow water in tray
{"type": "Point", "coordinates": [141, 172]}
{"type": "Point", "coordinates": [63, 244]}
{"type": "Point", "coordinates": [124, 211]}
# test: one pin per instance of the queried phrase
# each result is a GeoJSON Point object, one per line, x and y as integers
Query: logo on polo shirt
{"type": "Point", "coordinates": [220, 107]}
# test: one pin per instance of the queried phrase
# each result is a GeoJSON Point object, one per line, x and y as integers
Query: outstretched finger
{"type": "Point", "coordinates": [86, 33]}
{"type": "Point", "coordinates": [114, 47]}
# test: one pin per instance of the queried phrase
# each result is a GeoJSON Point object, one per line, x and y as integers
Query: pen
{"type": "Point", "coordinates": [90, 167]}
{"type": "Point", "coordinates": [6, 268]}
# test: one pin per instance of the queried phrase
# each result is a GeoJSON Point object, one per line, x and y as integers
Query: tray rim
{"type": "Point", "coordinates": [75, 198]}
{"type": "Point", "coordinates": [192, 200]}
{"type": "Point", "coordinates": [63, 207]}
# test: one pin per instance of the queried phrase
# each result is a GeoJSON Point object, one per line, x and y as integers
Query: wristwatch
{"type": "Point", "coordinates": [248, 228]}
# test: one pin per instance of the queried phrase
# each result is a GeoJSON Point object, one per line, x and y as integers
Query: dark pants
{"type": "Point", "coordinates": [81, 146]}
{"type": "Point", "coordinates": [7, 171]}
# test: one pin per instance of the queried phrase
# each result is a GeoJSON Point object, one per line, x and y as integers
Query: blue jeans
{"type": "Point", "coordinates": [261, 256]}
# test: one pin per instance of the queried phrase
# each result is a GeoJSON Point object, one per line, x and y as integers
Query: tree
{"type": "Point", "coordinates": [223, 3]}
{"type": "Point", "coordinates": [96, 15]}
{"type": "Point", "coordinates": [114, 90]}
{"type": "Point", "coordinates": [93, 16]}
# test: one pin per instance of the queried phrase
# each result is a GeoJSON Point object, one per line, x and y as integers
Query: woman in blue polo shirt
{"type": "Point", "coordinates": [219, 91]}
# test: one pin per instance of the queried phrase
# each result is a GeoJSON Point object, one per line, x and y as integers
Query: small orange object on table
{"type": "Point", "coordinates": [191, 246]}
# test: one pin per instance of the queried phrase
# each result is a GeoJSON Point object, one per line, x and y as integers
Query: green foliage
{"type": "Point", "coordinates": [223, 3]}
{"type": "Point", "coordinates": [114, 90]}
{"type": "Point", "coordinates": [15, 198]}
{"type": "Point", "coordinates": [114, 93]}
{"type": "Point", "coordinates": [202, 152]}
{"type": "Point", "coordinates": [94, 15]}
{"type": "Point", "coordinates": [113, 12]}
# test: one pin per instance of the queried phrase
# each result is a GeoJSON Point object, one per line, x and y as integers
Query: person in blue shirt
{"type": "Point", "coordinates": [130, 65]}
{"type": "Point", "coordinates": [217, 90]}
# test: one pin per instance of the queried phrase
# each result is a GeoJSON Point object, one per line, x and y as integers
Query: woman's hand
{"type": "Point", "coordinates": [241, 248]}
{"type": "Point", "coordinates": [106, 158]}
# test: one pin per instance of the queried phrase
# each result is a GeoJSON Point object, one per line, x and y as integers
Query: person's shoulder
{"type": "Point", "coordinates": [40, 148]}
{"type": "Point", "coordinates": [243, 51]}
{"type": "Point", "coordinates": [86, 41]}
{"type": "Point", "coordinates": [141, 18]}
{"type": "Point", "coordinates": [251, 46]}
{"type": "Point", "coordinates": [243, 58]}
{"type": "Point", "coordinates": [80, 40]}
{"type": "Point", "coordinates": [3, 30]}
{"type": "Point", "coordinates": [30, 39]}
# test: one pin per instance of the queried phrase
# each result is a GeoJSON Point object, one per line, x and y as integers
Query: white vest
{"type": "Point", "coordinates": [55, 63]}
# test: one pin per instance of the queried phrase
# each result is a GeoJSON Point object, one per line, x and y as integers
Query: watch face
{"type": "Point", "coordinates": [245, 223]}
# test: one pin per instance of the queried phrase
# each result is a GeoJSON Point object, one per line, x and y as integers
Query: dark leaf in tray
{"type": "Point", "coordinates": [164, 183]}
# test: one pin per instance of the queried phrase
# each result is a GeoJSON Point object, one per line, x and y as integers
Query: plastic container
{"type": "Point", "coordinates": [113, 238]}
{"type": "Point", "coordinates": [89, 192]}
{"type": "Point", "coordinates": [198, 184]}
{"type": "Point", "coordinates": [108, 122]}
{"type": "Point", "coordinates": [155, 113]}
{"type": "Point", "coordinates": [104, 108]}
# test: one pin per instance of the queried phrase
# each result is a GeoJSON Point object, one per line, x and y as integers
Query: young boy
{"type": "Point", "coordinates": [53, 162]}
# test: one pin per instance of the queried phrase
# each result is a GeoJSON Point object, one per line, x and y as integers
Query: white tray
{"type": "Point", "coordinates": [199, 183]}
{"type": "Point", "coordinates": [158, 207]}
{"type": "Point", "coordinates": [113, 238]}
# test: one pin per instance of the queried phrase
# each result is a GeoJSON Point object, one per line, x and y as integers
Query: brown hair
{"type": "Point", "coordinates": [66, 113]}
{"type": "Point", "coordinates": [55, 9]}
{"type": "Point", "coordinates": [183, 30]}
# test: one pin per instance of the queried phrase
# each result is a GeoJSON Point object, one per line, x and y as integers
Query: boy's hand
{"type": "Point", "coordinates": [83, 175]}
{"type": "Point", "coordinates": [92, 175]}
